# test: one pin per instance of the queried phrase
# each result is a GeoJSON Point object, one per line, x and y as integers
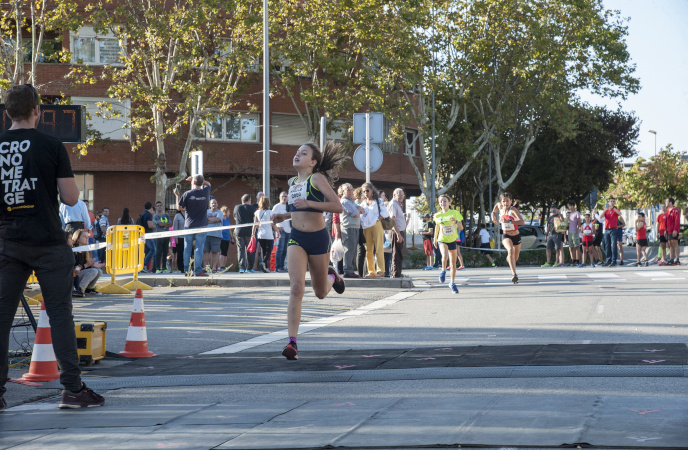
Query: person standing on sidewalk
{"type": "Point", "coordinates": [350, 226]}
{"type": "Point", "coordinates": [146, 221]}
{"type": "Point", "coordinates": [284, 231]}
{"type": "Point", "coordinates": [162, 223]}
{"type": "Point", "coordinates": [573, 233]}
{"type": "Point", "coordinates": [178, 225]}
{"type": "Point", "coordinates": [243, 215]}
{"type": "Point", "coordinates": [310, 194]}
{"type": "Point", "coordinates": [196, 202]}
{"type": "Point", "coordinates": [611, 222]}
{"type": "Point", "coordinates": [396, 212]}
{"type": "Point", "coordinates": [32, 240]}
{"type": "Point", "coordinates": [661, 232]}
{"type": "Point", "coordinates": [673, 227]}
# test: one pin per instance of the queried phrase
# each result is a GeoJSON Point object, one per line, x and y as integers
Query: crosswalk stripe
{"type": "Point", "coordinates": [602, 275]}
{"type": "Point", "coordinates": [653, 274]}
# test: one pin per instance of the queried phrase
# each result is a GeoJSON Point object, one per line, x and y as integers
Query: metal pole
{"type": "Point", "coordinates": [323, 131]}
{"type": "Point", "coordinates": [266, 102]}
{"type": "Point", "coordinates": [367, 144]}
{"type": "Point", "coordinates": [433, 170]}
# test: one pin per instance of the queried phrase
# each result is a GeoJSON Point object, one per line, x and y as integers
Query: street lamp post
{"type": "Point", "coordinates": [655, 133]}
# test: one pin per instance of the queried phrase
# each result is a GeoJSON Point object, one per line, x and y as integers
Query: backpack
{"type": "Point", "coordinates": [141, 222]}
{"type": "Point", "coordinates": [98, 232]}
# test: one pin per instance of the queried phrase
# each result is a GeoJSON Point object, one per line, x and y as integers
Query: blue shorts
{"type": "Point", "coordinates": [619, 234]}
{"type": "Point", "coordinates": [450, 245]}
{"type": "Point", "coordinates": [313, 243]}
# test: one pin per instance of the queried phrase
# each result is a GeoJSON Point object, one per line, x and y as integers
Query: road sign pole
{"type": "Point", "coordinates": [367, 144]}
{"type": "Point", "coordinates": [323, 131]}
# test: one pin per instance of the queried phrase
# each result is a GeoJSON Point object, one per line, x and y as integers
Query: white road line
{"type": "Point", "coordinates": [552, 277]}
{"type": "Point", "coordinates": [498, 279]}
{"type": "Point", "coordinates": [602, 275]}
{"type": "Point", "coordinates": [554, 282]}
{"type": "Point", "coordinates": [656, 274]}
{"type": "Point", "coordinates": [600, 309]}
{"type": "Point", "coordinates": [607, 280]}
{"type": "Point", "coordinates": [667, 278]}
{"type": "Point", "coordinates": [309, 326]}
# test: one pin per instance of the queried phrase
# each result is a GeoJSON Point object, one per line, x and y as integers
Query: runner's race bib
{"type": "Point", "coordinates": [447, 230]}
{"type": "Point", "coordinates": [508, 226]}
{"type": "Point", "coordinates": [297, 191]}
{"type": "Point", "coordinates": [587, 231]}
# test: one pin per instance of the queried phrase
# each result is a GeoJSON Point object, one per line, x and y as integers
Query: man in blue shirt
{"type": "Point", "coordinates": [196, 201]}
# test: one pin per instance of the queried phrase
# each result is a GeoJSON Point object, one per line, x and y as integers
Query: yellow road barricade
{"type": "Point", "coordinates": [124, 255]}
{"type": "Point", "coordinates": [35, 301]}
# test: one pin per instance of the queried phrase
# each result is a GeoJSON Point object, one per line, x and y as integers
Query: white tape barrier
{"type": "Point", "coordinates": [164, 234]}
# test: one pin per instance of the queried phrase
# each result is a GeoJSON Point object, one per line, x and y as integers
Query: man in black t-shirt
{"type": "Point", "coordinates": [243, 214]}
{"type": "Point", "coordinates": [34, 168]}
{"type": "Point", "coordinates": [197, 202]}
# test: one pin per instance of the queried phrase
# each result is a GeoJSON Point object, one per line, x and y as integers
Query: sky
{"type": "Point", "coordinates": [658, 44]}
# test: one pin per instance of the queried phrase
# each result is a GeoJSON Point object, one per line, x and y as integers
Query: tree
{"type": "Point", "coordinates": [651, 182]}
{"type": "Point", "coordinates": [182, 65]}
{"type": "Point", "coordinates": [507, 68]}
{"type": "Point", "coordinates": [560, 168]}
{"type": "Point", "coordinates": [343, 57]}
{"type": "Point", "coordinates": [35, 18]}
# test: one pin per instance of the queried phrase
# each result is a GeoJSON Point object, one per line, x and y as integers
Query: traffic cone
{"type": "Point", "coordinates": [43, 363]}
{"type": "Point", "coordinates": [137, 340]}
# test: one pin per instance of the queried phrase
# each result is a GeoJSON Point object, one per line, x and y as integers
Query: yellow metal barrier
{"type": "Point", "coordinates": [124, 255]}
{"type": "Point", "coordinates": [37, 300]}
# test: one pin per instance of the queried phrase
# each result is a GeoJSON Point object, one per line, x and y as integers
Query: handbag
{"type": "Point", "coordinates": [387, 222]}
{"type": "Point", "coordinates": [252, 245]}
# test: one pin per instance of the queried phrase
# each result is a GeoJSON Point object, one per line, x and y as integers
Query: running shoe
{"type": "Point", "coordinates": [560, 265]}
{"type": "Point", "coordinates": [442, 276]}
{"type": "Point", "coordinates": [580, 266]}
{"type": "Point", "coordinates": [514, 279]}
{"type": "Point", "coordinates": [544, 265]}
{"type": "Point", "coordinates": [241, 270]}
{"type": "Point", "coordinates": [669, 262]}
{"type": "Point", "coordinates": [677, 263]}
{"type": "Point", "coordinates": [621, 263]}
{"type": "Point", "coordinates": [454, 288]}
{"type": "Point", "coordinates": [494, 265]}
{"type": "Point", "coordinates": [592, 264]}
{"type": "Point", "coordinates": [338, 285]}
{"type": "Point", "coordinates": [85, 398]}
{"type": "Point", "coordinates": [290, 351]}
{"type": "Point", "coordinates": [647, 264]}
{"type": "Point", "coordinates": [428, 268]}
{"type": "Point", "coordinates": [460, 268]}
{"type": "Point", "coordinates": [661, 263]}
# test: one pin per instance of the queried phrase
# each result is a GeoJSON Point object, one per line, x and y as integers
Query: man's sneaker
{"type": "Point", "coordinates": [514, 279]}
{"type": "Point", "coordinates": [290, 351]}
{"type": "Point", "coordinates": [202, 273]}
{"type": "Point", "coordinates": [241, 270]}
{"type": "Point", "coordinates": [77, 293]}
{"type": "Point", "coordinates": [442, 276]}
{"type": "Point", "coordinates": [561, 265]}
{"type": "Point", "coordinates": [677, 262]}
{"type": "Point", "coordinates": [592, 264]}
{"type": "Point", "coordinates": [544, 265]}
{"type": "Point", "coordinates": [251, 271]}
{"type": "Point", "coordinates": [93, 292]}
{"type": "Point", "coordinates": [661, 263]}
{"type": "Point", "coordinates": [580, 266]}
{"type": "Point", "coordinates": [3, 405]}
{"type": "Point", "coordinates": [428, 268]}
{"type": "Point", "coordinates": [669, 262]}
{"type": "Point", "coordinates": [453, 288]}
{"type": "Point", "coordinates": [621, 263]}
{"type": "Point", "coordinates": [85, 398]}
{"type": "Point", "coordinates": [338, 285]}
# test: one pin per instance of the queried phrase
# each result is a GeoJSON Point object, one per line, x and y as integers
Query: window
{"type": "Point", "coordinates": [89, 48]}
{"type": "Point", "coordinates": [84, 182]}
{"type": "Point", "coordinates": [410, 144]}
{"type": "Point", "coordinates": [110, 127]}
{"type": "Point", "coordinates": [288, 129]}
{"type": "Point", "coordinates": [242, 127]}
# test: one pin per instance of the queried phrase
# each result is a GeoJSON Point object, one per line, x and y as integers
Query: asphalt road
{"type": "Point", "coordinates": [567, 306]}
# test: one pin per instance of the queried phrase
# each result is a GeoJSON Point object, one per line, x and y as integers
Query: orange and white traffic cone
{"type": "Point", "coordinates": [43, 363]}
{"type": "Point", "coordinates": [137, 340]}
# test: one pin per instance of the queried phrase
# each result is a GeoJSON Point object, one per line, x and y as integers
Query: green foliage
{"type": "Point", "coordinates": [651, 182]}
{"type": "Point", "coordinates": [559, 168]}
{"type": "Point", "coordinates": [182, 63]}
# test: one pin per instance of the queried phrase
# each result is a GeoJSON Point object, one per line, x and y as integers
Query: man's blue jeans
{"type": "Point", "coordinates": [149, 252]}
{"type": "Point", "coordinates": [281, 252]}
{"type": "Point", "coordinates": [198, 251]}
{"type": "Point", "coordinates": [610, 239]}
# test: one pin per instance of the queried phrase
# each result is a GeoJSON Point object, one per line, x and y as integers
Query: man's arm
{"type": "Point", "coordinates": [87, 219]}
{"type": "Point", "coordinates": [69, 192]}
